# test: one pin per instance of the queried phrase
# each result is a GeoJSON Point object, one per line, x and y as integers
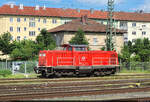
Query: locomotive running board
{"type": "Point", "coordinates": [65, 67]}
{"type": "Point", "coordinates": [100, 67]}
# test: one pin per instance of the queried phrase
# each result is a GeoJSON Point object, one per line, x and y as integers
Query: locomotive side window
{"type": "Point", "coordinates": [65, 48]}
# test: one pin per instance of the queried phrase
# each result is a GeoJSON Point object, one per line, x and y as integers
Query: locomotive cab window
{"type": "Point", "coordinates": [70, 48]}
{"type": "Point", "coordinates": [80, 49]}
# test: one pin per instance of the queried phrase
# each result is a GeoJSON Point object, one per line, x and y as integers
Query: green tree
{"type": "Point", "coordinates": [5, 43]}
{"type": "Point", "coordinates": [141, 48]}
{"type": "Point", "coordinates": [109, 44]}
{"type": "Point", "coordinates": [45, 41]}
{"type": "Point", "coordinates": [136, 51]}
{"type": "Point", "coordinates": [79, 38]}
{"type": "Point", "coordinates": [24, 50]}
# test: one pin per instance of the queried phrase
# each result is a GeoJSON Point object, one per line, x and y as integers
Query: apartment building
{"type": "Point", "coordinates": [25, 22]}
{"type": "Point", "coordinates": [95, 33]}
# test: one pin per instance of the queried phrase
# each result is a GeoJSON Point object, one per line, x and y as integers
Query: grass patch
{"type": "Point", "coordinates": [134, 71]}
{"type": "Point", "coordinates": [20, 76]}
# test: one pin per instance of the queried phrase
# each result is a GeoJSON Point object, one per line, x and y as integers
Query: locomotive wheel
{"type": "Point", "coordinates": [58, 74]}
{"type": "Point", "coordinates": [108, 72]}
{"type": "Point", "coordinates": [96, 73]}
{"type": "Point", "coordinates": [44, 75]}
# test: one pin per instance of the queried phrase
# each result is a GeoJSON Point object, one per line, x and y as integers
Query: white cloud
{"type": "Point", "coordinates": [145, 7]}
{"type": "Point", "coordinates": [10, 2]}
{"type": "Point", "coordinates": [98, 2]}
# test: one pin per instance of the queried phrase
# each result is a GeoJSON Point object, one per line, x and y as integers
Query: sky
{"type": "Point", "coordinates": [120, 5]}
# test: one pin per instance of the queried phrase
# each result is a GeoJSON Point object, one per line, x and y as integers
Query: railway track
{"type": "Point", "coordinates": [51, 88]}
{"type": "Point", "coordinates": [42, 80]}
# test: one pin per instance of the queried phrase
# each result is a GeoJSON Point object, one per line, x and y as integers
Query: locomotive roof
{"type": "Point", "coordinates": [65, 45]}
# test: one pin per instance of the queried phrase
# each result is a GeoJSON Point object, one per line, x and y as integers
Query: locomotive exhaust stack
{"type": "Point", "coordinates": [77, 60]}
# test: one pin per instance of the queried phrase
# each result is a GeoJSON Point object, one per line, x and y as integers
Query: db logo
{"type": "Point", "coordinates": [83, 58]}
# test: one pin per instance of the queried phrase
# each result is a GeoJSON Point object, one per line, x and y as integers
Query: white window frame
{"type": "Point", "coordinates": [11, 29]}
{"type": "Point", "coordinates": [18, 19]}
{"type": "Point", "coordinates": [11, 19]}
{"type": "Point", "coordinates": [18, 29]}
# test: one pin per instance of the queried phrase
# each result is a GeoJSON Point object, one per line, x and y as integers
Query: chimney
{"type": "Point", "coordinates": [84, 19]}
{"type": "Point", "coordinates": [11, 5]}
{"type": "Point", "coordinates": [91, 10]}
{"type": "Point", "coordinates": [37, 7]}
{"type": "Point", "coordinates": [21, 6]}
{"type": "Point", "coordinates": [44, 7]}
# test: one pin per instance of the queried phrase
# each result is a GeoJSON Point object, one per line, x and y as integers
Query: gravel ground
{"type": "Point", "coordinates": [105, 97]}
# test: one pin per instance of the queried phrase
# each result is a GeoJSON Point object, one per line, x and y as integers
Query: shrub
{"type": "Point", "coordinates": [5, 73]}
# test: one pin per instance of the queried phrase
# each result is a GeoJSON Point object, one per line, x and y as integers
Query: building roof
{"type": "Point", "coordinates": [72, 13]}
{"type": "Point", "coordinates": [87, 25]}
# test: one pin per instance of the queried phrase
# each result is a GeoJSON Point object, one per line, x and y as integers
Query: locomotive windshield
{"type": "Point", "coordinates": [80, 49]}
{"type": "Point", "coordinates": [67, 47]}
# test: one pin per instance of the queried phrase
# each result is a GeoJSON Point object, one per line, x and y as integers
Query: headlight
{"type": "Point", "coordinates": [44, 55]}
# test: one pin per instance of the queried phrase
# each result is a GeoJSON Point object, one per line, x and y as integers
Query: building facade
{"type": "Point", "coordinates": [25, 22]}
{"type": "Point", "coordinates": [95, 33]}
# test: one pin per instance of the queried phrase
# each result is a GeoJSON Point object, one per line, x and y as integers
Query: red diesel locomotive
{"type": "Point", "coordinates": [77, 60]}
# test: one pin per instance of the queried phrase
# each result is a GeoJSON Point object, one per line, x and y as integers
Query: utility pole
{"type": "Point", "coordinates": [110, 30]}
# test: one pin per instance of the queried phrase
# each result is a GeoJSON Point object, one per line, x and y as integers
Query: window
{"type": "Point", "coordinates": [11, 29]}
{"type": "Point", "coordinates": [125, 38]}
{"type": "Point", "coordinates": [25, 37]}
{"type": "Point", "coordinates": [44, 20]}
{"type": "Point", "coordinates": [31, 24]}
{"type": "Point", "coordinates": [123, 25]}
{"type": "Point", "coordinates": [134, 24]}
{"type": "Point", "coordinates": [143, 26]}
{"type": "Point", "coordinates": [31, 33]}
{"type": "Point", "coordinates": [102, 22]}
{"type": "Point", "coordinates": [54, 21]}
{"type": "Point", "coordinates": [32, 19]}
{"type": "Point", "coordinates": [25, 29]}
{"type": "Point", "coordinates": [11, 38]}
{"type": "Point", "coordinates": [18, 29]}
{"type": "Point", "coordinates": [39, 20]}
{"type": "Point", "coordinates": [133, 40]}
{"type": "Point", "coordinates": [133, 33]}
{"type": "Point", "coordinates": [80, 49]}
{"type": "Point", "coordinates": [18, 38]}
{"type": "Point", "coordinates": [70, 49]}
{"type": "Point", "coordinates": [143, 33]}
{"type": "Point", "coordinates": [18, 20]}
{"type": "Point", "coordinates": [25, 19]}
{"type": "Point", "coordinates": [11, 19]}
{"type": "Point", "coordinates": [95, 41]}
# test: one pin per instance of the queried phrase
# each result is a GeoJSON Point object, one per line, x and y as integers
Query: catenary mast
{"type": "Point", "coordinates": [110, 30]}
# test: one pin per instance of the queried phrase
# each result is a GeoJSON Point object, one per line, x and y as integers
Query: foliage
{"type": "Point", "coordinates": [109, 44]}
{"type": "Point", "coordinates": [136, 51]}
{"type": "Point", "coordinates": [29, 67]}
{"type": "Point", "coordinates": [45, 41]}
{"type": "Point", "coordinates": [24, 50]}
{"type": "Point", "coordinates": [79, 38]}
{"type": "Point", "coordinates": [5, 43]}
{"type": "Point", "coordinates": [5, 73]}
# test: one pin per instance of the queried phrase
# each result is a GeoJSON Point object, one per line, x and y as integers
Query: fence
{"type": "Point", "coordinates": [136, 66]}
{"type": "Point", "coordinates": [26, 67]}
{"type": "Point", "coordinates": [19, 66]}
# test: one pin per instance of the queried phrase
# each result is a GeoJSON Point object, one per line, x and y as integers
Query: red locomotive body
{"type": "Point", "coordinates": [77, 60]}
